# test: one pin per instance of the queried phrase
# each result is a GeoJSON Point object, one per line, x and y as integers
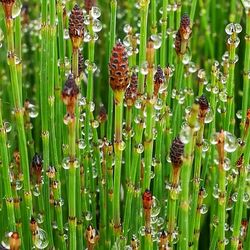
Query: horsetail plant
{"type": "Point", "coordinates": [119, 131]}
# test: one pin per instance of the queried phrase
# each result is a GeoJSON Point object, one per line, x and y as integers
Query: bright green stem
{"type": "Point", "coordinates": [196, 180]}
{"type": "Point", "coordinates": [19, 115]}
{"type": "Point", "coordinates": [5, 172]}
{"type": "Point", "coordinates": [72, 184]}
{"type": "Point", "coordinates": [192, 11]}
{"type": "Point", "coordinates": [18, 49]}
{"type": "Point", "coordinates": [240, 197]}
{"type": "Point", "coordinates": [153, 16]}
{"type": "Point", "coordinates": [164, 33]}
{"type": "Point", "coordinates": [143, 41]}
{"type": "Point", "coordinates": [113, 7]}
{"type": "Point", "coordinates": [171, 27]}
{"type": "Point", "coordinates": [185, 177]}
{"type": "Point", "coordinates": [118, 157]}
{"type": "Point", "coordinates": [148, 142]}
{"type": "Point", "coordinates": [221, 205]}
{"type": "Point", "coordinates": [132, 176]}
{"type": "Point", "coordinates": [129, 130]}
{"type": "Point", "coordinates": [230, 83]}
{"type": "Point", "coordinates": [246, 69]}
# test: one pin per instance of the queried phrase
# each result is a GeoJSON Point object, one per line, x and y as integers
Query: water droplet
{"type": "Point", "coordinates": [192, 67]}
{"type": "Point", "coordinates": [95, 124]}
{"type": "Point", "coordinates": [223, 96]}
{"type": "Point", "coordinates": [186, 59]}
{"type": "Point", "coordinates": [233, 28]}
{"type": "Point", "coordinates": [95, 12]}
{"type": "Point", "coordinates": [66, 34]}
{"type": "Point", "coordinates": [231, 143]}
{"type": "Point", "coordinates": [81, 144]}
{"type": "Point", "coordinates": [7, 127]}
{"type": "Point", "coordinates": [144, 68]}
{"type": "Point", "coordinates": [239, 114]}
{"type": "Point", "coordinates": [209, 116]}
{"type": "Point", "coordinates": [33, 111]}
{"type": "Point", "coordinates": [65, 163]}
{"type": "Point", "coordinates": [41, 239]}
{"type": "Point", "coordinates": [82, 101]}
{"type": "Point", "coordinates": [122, 145]}
{"type": "Point", "coordinates": [97, 25]}
{"type": "Point", "coordinates": [156, 41]}
{"type": "Point", "coordinates": [205, 145]}
{"type": "Point", "coordinates": [234, 196]}
{"type": "Point", "coordinates": [159, 104]}
{"type": "Point", "coordinates": [40, 218]}
{"type": "Point", "coordinates": [246, 3]}
{"type": "Point", "coordinates": [185, 134]}
{"type": "Point", "coordinates": [246, 197]}
{"type": "Point", "coordinates": [203, 209]}
{"type": "Point", "coordinates": [16, 10]}
{"type": "Point", "coordinates": [127, 28]}
{"type": "Point", "coordinates": [227, 164]}
{"type": "Point", "coordinates": [156, 208]}
{"type": "Point", "coordinates": [140, 148]}
{"type": "Point", "coordinates": [88, 216]}
{"type": "Point", "coordinates": [36, 190]}
{"type": "Point", "coordinates": [92, 106]}
{"type": "Point", "coordinates": [216, 192]}
{"type": "Point", "coordinates": [5, 241]}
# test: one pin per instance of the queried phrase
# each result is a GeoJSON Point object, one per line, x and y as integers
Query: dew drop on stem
{"type": "Point", "coordinates": [16, 10]}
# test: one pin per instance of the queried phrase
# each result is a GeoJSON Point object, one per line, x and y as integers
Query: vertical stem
{"type": "Point", "coordinates": [113, 6]}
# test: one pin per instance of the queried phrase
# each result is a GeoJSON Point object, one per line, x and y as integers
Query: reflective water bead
{"type": "Point", "coordinates": [65, 163]}
{"type": "Point", "coordinates": [66, 34]}
{"type": "Point", "coordinates": [192, 67]}
{"type": "Point", "coordinates": [159, 104]}
{"type": "Point", "coordinates": [156, 207]}
{"type": "Point", "coordinates": [223, 96]}
{"type": "Point", "coordinates": [246, 197]}
{"type": "Point", "coordinates": [127, 28]}
{"type": "Point", "coordinates": [209, 116]}
{"type": "Point", "coordinates": [140, 148]}
{"type": "Point", "coordinates": [95, 124]}
{"type": "Point", "coordinates": [203, 209]}
{"type": "Point", "coordinates": [97, 25]}
{"type": "Point", "coordinates": [186, 59]}
{"type": "Point", "coordinates": [227, 164]}
{"type": "Point", "coordinates": [16, 10]}
{"type": "Point", "coordinates": [144, 68]}
{"type": "Point", "coordinates": [205, 145]}
{"type": "Point", "coordinates": [88, 216]}
{"type": "Point", "coordinates": [95, 12]}
{"type": "Point", "coordinates": [122, 145]}
{"type": "Point", "coordinates": [33, 111]}
{"type": "Point", "coordinates": [36, 190]}
{"type": "Point", "coordinates": [7, 127]}
{"type": "Point", "coordinates": [216, 192]}
{"type": "Point", "coordinates": [156, 41]}
{"type": "Point", "coordinates": [234, 196]}
{"type": "Point", "coordinates": [230, 143]}
{"type": "Point", "coordinates": [246, 3]}
{"type": "Point", "coordinates": [185, 134]}
{"type": "Point", "coordinates": [239, 114]}
{"type": "Point", "coordinates": [41, 239]}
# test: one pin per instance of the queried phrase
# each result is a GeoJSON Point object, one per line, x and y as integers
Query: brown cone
{"type": "Point", "coordinates": [70, 93]}
{"type": "Point", "coordinates": [118, 68]}
{"type": "Point", "coordinates": [176, 152]}
{"type": "Point", "coordinates": [131, 91]}
{"type": "Point", "coordinates": [76, 26]}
